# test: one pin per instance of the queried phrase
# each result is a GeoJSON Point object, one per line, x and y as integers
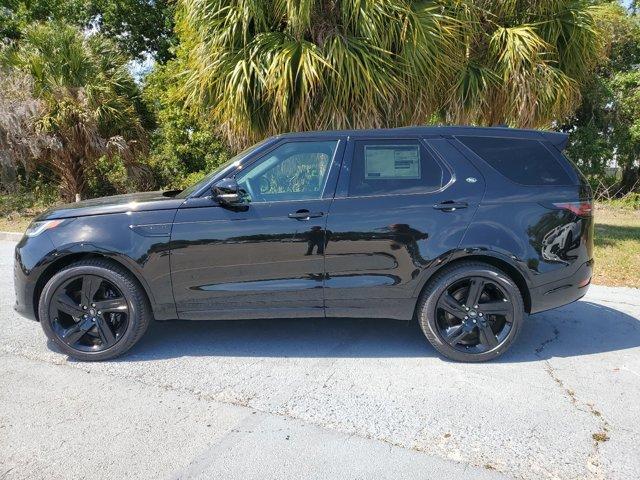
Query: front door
{"type": "Point", "coordinates": [267, 260]}
{"type": "Point", "coordinates": [401, 206]}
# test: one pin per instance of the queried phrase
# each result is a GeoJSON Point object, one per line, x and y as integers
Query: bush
{"type": "Point", "coordinates": [32, 197]}
{"type": "Point", "coordinates": [108, 177]}
{"type": "Point", "coordinates": [183, 148]}
{"type": "Point", "coordinates": [182, 153]}
{"type": "Point", "coordinates": [630, 201]}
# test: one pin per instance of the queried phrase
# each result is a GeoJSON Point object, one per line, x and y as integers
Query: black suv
{"type": "Point", "coordinates": [464, 229]}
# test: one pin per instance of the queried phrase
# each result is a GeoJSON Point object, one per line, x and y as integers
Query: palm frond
{"type": "Point", "coordinates": [87, 96]}
{"type": "Point", "coordinates": [255, 68]}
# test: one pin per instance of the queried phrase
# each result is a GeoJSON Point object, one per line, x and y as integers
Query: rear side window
{"type": "Point", "coordinates": [387, 167]}
{"type": "Point", "coordinates": [527, 162]}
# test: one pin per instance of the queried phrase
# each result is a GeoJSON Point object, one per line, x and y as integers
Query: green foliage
{"type": "Point", "coordinates": [91, 103]}
{"type": "Point", "coordinates": [184, 149]}
{"type": "Point", "coordinates": [136, 26]}
{"type": "Point", "coordinates": [590, 146]}
{"type": "Point", "coordinates": [258, 68]}
{"type": "Point", "coordinates": [110, 176]}
{"type": "Point", "coordinates": [17, 15]}
{"type": "Point", "coordinates": [630, 201]}
{"type": "Point", "coordinates": [606, 127]}
{"type": "Point", "coordinates": [245, 69]}
{"type": "Point", "coordinates": [34, 195]}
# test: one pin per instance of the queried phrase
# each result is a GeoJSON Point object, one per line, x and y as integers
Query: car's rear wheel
{"type": "Point", "coordinates": [94, 310]}
{"type": "Point", "coordinates": [472, 312]}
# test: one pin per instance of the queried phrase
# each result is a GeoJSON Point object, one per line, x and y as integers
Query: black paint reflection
{"type": "Point", "coordinates": [317, 239]}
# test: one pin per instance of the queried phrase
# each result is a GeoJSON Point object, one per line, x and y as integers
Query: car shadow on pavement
{"type": "Point", "coordinates": [582, 328]}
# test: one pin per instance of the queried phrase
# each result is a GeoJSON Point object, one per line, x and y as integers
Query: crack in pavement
{"type": "Point", "coordinates": [593, 459]}
{"type": "Point", "coordinates": [541, 347]}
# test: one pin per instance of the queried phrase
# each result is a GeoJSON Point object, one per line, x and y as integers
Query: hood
{"type": "Point", "coordinates": [130, 202]}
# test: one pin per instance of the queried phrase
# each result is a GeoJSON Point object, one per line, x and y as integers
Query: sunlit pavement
{"type": "Point", "coordinates": [326, 399]}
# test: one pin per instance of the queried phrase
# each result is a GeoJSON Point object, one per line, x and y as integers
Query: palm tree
{"type": "Point", "coordinates": [19, 141]}
{"type": "Point", "coordinates": [259, 67]}
{"type": "Point", "coordinates": [523, 60]}
{"type": "Point", "coordinates": [90, 100]}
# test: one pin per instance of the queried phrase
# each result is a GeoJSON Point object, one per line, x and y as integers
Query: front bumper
{"type": "Point", "coordinates": [31, 257]}
{"type": "Point", "coordinates": [562, 292]}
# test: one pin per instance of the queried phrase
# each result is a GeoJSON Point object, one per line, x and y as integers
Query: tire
{"type": "Point", "coordinates": [439, 318]}
{"type": "Point", "coordinates": [94, 342]}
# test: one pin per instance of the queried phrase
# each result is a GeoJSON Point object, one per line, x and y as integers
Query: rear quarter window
{"type": "Point", "coordinates": [524, 161]}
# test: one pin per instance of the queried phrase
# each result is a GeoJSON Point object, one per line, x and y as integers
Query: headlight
{"type": "Point", "coordinates": [36, 228]}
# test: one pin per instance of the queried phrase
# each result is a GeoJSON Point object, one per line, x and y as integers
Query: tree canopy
{"type": "Point", "coordinates": [605, 129]}
{"type": "Point", "coordinates": [226, 73]}
{"type": "Point", "coordinates": [255, 68]}
{"type": "Point", "coordinates": [89, 102]}
{"type": "Point", "coordinates": [138, 27]}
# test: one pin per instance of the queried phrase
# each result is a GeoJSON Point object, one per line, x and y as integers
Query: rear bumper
{"type": "Point", "coordinates": [562, 292]}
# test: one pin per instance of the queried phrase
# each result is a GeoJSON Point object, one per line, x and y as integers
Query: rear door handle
{"type": "Point", "coordinates": [450, 206]}
{"type": "Point", "coordinates": [305, 215]}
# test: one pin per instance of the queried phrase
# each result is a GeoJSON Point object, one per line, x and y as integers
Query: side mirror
{"type": "Point", "coordinates": [227, 192]}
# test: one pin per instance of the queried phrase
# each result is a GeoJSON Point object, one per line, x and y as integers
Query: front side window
{"type": "Point", "coordinates": [293, 171]}
{"type": "Point", "coordinates": [386, 167]}
{"type": "Point", "coordinates": [204, 181]}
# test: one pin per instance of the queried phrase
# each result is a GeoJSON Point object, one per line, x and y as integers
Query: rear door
{"type": "Point", "coordinates": [401, 205]}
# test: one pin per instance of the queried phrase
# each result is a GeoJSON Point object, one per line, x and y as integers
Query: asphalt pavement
{"type": "Point", "coordinates": [336, 398]}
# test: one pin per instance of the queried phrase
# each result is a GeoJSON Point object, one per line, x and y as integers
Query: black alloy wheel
{"type": "Point", "coordinates": [94, 310]}
{"type": "Point", "coordinates": [472, 312]}
{"type": "Point", "coordinates": [474, 315]}
{"type": "Point", "coordinates": [89, 313]}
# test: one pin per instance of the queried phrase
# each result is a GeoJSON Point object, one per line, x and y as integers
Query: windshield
{"type": "Point", "coordinates": [195, 187]}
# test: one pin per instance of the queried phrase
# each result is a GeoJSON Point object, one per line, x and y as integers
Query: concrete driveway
{"type": "Point", "coordinates": [326, 399]}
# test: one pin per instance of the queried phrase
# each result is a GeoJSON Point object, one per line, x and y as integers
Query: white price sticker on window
{"type": "Point", "coordinates": [387, 162]}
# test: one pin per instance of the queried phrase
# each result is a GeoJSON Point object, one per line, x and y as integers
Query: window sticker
{"type": "Point", "coordinates": [384, 162]}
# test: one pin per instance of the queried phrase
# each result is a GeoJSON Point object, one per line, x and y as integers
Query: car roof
{"type": "Point", "coordinates": [557, 138]}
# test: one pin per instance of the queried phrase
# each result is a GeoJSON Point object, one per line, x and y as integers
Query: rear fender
{"type": "Point", "coordinates": [500, 260]}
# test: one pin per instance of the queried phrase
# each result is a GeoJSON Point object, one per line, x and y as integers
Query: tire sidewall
{"type": "Point", "coordinates": [427, 314]}
{"type": "Point", "coordinates": [118, 280]}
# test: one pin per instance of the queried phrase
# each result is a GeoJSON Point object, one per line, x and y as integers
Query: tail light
{"type": "Point", "coordinates": [582, 209]}
{"type": "Point", "coordinates": [585, 282]}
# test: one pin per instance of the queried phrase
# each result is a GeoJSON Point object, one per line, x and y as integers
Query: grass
{"type": "Point", "coordinates": [18, 209]}
{"type": "Point", "coordinates": [617, 239]}
{"type": "Point", "coordinates": [13, 223]}
{"type": "Point", "coordinates": [617, 246]}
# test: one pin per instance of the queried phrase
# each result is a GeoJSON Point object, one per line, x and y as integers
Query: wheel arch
{"type": "Point", "coordinates": [64, 261]}
{"type": "Point", "coordinates": [494, 260]}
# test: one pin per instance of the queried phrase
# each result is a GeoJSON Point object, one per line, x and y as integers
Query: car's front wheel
{"type": "Point", "coordinates": [471, 312]}
{"type": "Point", "coordinates": [94, 310]}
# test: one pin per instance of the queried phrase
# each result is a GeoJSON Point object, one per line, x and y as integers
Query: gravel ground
{"type": "Point", "coordinates": [326, 399]}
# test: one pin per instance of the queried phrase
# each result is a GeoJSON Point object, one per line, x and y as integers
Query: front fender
{"type": "Point", "coordinates": [139, 241]}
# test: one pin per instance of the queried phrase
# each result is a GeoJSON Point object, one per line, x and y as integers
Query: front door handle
{"type": "Point", "coordinates": [450, 206]}
{"type": "Point", "coordinates": [305, 215]}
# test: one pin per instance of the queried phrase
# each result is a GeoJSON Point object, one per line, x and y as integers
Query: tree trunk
{"type": "Point", "coordinates": [72, 178]}
{"type": "Point", "coordinates": [630, 179]}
